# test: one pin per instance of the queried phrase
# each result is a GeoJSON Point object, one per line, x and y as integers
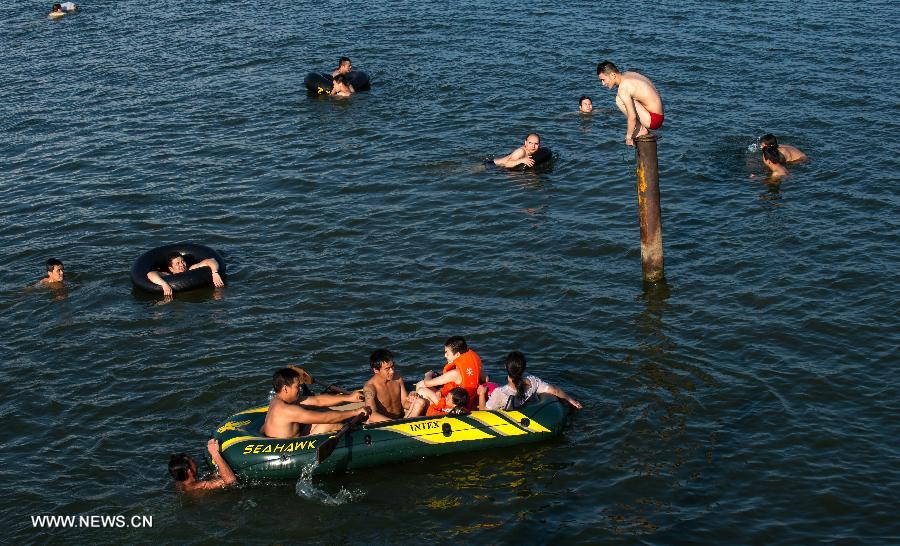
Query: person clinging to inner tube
{"type": "Point", "coordinates": [463, 369]}
{"type": "Point", "coordinates": [176, 265]}
{"type": "Point", "coordinates": [184, 470]}
{"type": "Point", "coordinates": [345, 65]}
{"type": "Point", "coordinates": [790, 153]}
{"type": "Point", "coordinates": [340, 87]}
{"type": "Point", "coordinates": [56, 11]}
{"type": "Point", "coordinates": [585, 106]}
{"type": "Point", "coordinates": [523, 155]}
{"type": "Point", "coordinates": [291, 415]}
{"type": "Point", "coordinates": [519, 388]}
{"type": "Point", "coordinates": [637, 98]}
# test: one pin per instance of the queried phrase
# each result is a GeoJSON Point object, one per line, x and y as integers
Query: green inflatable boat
{"type": "Point", "coordinates": [253, 456]}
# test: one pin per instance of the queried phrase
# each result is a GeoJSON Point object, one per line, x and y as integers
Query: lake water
{"type": "Point", "coordinates": [751, 399]}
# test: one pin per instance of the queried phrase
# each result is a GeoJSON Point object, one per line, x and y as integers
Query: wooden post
{"type": "Point", "coordinates": [647, 170]}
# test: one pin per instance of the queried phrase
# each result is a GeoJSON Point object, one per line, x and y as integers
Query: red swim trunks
{"type": "Point", "coordinates": [656, 120]}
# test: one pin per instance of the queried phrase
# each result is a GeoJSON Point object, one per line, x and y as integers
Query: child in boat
{"type": "Point", "coordinates": [519, 388]}
{"type": "Point", "coordinates": [184, 470]}
{"type": "Point", "coordinates": [463, 369]}
{"type": "Point", "coordinates": [455, 403]}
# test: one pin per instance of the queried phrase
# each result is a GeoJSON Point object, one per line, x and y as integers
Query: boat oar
{"type": "Point", "coordinates": [327, 448]}
{"type": "Point", "coordinates": [307, 379]}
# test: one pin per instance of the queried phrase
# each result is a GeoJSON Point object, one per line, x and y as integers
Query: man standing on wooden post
{"type": "Point", "coordinates": [637, 98]}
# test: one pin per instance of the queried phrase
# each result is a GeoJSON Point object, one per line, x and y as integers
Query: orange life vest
{"type": "Point", "coordinates": [469, 366]}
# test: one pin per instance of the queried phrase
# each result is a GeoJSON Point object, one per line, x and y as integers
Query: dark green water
{"type": "Point", "coordinates": [747, 401]}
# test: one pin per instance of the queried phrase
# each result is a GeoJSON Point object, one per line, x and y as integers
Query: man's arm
{"type": "Point", "coordinates": [297, 414]}
{"type": "Point", "coordinates": [328, 400]}
{"type": "Point", "coordinates": [516, 157]}
{"type": "Point", "coordinates": [453, 375]}
{"type": "Point", "coordinates": [214, 266]}
{"type": "Point", "coordinates": [156, 278]}
{"type": "Point", "coordinates": [404, 396]}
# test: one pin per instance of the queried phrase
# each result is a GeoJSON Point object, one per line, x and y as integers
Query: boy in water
{"type": "Point", "coordinates": [384, 394]}
{"type": "Point", "coordinates": [184, 470]}
{"type": "Point", "coordinates": [55, 274]}
{"type": "Point", "coordinates": [585, 106]}
{"type": "Point", "coordinates": [790, 153]}
{"type": "Point", "coordinates": [774, 161]}
{"type": "Point", "coordinates": [340, 87]}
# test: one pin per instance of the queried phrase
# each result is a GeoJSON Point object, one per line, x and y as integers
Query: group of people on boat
{"type": "Point", "coordinates": [460, 388]}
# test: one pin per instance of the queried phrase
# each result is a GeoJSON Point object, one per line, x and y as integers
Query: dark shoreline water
{"type": "Point", "coordinates": [751, 399]}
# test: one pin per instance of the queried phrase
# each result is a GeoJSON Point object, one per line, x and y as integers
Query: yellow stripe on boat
{"type": "Point", "coordinates": [230, 442]}
{"type": "Point", "coordinates": [497, 423]}
{"type": "Point", "coordinates": [432, 431]}
{"type": "Point", "coordinates": [254, 410]}
{"type": "Point", "coordinates": [520, 419]}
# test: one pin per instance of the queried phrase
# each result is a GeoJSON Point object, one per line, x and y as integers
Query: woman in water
{"type": "Point", "coordinates": [519, 388]}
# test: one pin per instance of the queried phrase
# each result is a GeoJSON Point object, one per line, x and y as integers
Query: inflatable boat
{"type": "Point", "coordinates": [254, 456]}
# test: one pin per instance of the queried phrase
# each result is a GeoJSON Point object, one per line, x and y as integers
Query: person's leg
{"type": "Point", "coordinates": [643, 117]}
{"type": "Point", "coordinates": [621, 105]}
{"type": "Point", "coordinates": [417, 408]}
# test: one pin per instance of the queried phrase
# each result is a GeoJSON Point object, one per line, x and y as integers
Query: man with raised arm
{"type": "Point", "coordinates": [291, 415]}
{"type": "Point", "coordinates": [385, 394]}
{"type": "Point", "coordinates": [184, 470]}
{"type": "Point", "coordinates": [637, 98]}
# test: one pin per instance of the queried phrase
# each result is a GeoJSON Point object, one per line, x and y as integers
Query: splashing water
{"type": "Point", "coordinates": [305, 488]}
{"type": "Point", "coordinates": [754, 147]}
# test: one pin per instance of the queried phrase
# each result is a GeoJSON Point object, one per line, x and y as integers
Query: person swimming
{"type": "Point", "coordinates": [789, 153]}
{"type": "Point", "coordinates": [340, 87]}
{"type": "Point", "coordinates": [774, 161]}
{"type": "Point", "coordinates": [585, 106]}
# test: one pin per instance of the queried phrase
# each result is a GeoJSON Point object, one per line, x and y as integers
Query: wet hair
{"type": "Point", "coordinates": [583, 97]}
{"type": "Point", "coordinates": [768, 140]}
{"type": "Point", "coordinates": [57, 7]}
{"type": "Point", "coordinates": [771, 154]}
{"type": "Point", "coordinates": [339, 78]}
{"type": "Point", "coordinates": [344, 60]}
{"type": "Point", "coordinates": [179, 466]}
{"type": "Point", "coordinates": [457, 344]}
{"type": "Point", "coordinates": [379, 357]}
{"type": "Point", "coordinates": [606, 67]}
{"type": "Point", "coordinates": [53, 262]}
{"type": "Point", "coordinates": [285, 377]}
{"type": "Point", "coordinates": [529, 135]}
{"type": "Point", "coordinates": [459, 396]}
{"type": "Point", "coordinates": [515, 368]}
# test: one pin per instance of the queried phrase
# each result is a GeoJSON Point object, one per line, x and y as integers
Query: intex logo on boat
{"type": "Point", "coordinates": [279, 448]}
{"type": "Point", "coordinates": [415, 427]}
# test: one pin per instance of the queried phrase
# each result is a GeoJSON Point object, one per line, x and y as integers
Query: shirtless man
{"type": "Point", "coordinates": [788, 152]}
{"type": "Point", "coordinates": [291, 417]}
{"type": "Point", "coordinates": [384, 394]}
{"type": "Point", "coordinates": [56, 11]}
{"type": "Point", "coordinates": [774, 161]}
{"type": "Point", "coordinates": [344, 66]}
{"type": "Point", "coordinates": [340, 87]}
{"type": "Point", "coordinates": [55, 274]}
{"type": "Point", "coordinates": [178, 265]}
{"type": "Point", "coordinates": [523, 155]}
{"type": "Point", "coordinates": [184, 470]}
{"type": "Point", "coordinates": [636, 98]}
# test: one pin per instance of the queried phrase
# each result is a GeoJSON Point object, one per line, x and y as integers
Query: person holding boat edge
{"type": "Point", "coordinates": [291, 416]}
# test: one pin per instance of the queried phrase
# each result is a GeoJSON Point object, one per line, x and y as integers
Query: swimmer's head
{"type": "Point", "coordinates": [532, 143]}
{"type": "Point", "coordinates": [56, 8]}
{"type": "Point", "coordinates": [176, 263]}
{"type": "Point", "coordinates": [585, 105]}
{"type": "Point", "coordinates": [345, 65]}
{"type": "Point", "coordinates": [772, 155]}
{"type": "Point", "coordinates": [767, 140]}
{"type": "Point", "coordinates": [55, 270]}
{"type": "Point", "coordinates": [182, 467]}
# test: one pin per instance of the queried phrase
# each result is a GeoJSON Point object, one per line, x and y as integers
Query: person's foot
{"type": "Point", "coordinates": [641, 131]}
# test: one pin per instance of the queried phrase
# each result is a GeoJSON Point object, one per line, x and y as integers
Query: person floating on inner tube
{"type": "Point", "coordinates": [344, 67]}
{"type": "Point", "coordinates": [340, 87]}
{"type": "Point", "coordinates": [177, 265]}
{"type": "Point", "coordinates": [55, 273]}
{"type": "Point", "coordinates": [523, 155]}
{"type": "Point", "coordinates": [637, 98]}
{"type": "Point", "coordinates": [56, 11]}
{"type": "Point", "coordinates": [184, 470]}
{"type": "Point", "coordinates": [519, 387]}
{"type": "Point", "coordinates": [290, 416]}
{"type": "Point", "coordinates": [463, 369]}
{"type": "Point", "coordinates": [385, 394]}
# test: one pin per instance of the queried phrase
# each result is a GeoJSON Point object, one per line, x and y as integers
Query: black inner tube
{"type": "Point", "coordinates": [320, 84]}
{"type": "Point", "coordinates": [156, 260]}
